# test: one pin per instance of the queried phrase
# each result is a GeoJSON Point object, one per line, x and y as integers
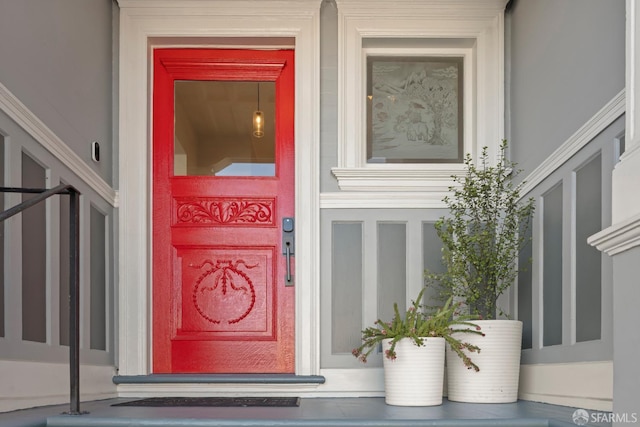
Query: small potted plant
{"type": "Point", "coordinates": [482, 237]}
{"type": "Point", "coordinates": [414, 350]}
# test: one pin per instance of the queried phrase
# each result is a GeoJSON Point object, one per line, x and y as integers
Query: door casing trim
{"type": "Point", "coordinates": [145, 25]}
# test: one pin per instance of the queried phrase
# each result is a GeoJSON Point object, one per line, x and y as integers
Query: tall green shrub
{"type": "Point", "coordinates": [483, 233]}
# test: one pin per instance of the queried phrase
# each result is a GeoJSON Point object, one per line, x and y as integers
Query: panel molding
{"type": "Point", "coordinates": [383, 200]}
{"type": "Point", "coordinates": [601, 145]}
{"type": "Point", "coordinates": [224, 69]}
{"type": "Point", "coordinates": [27, 120]}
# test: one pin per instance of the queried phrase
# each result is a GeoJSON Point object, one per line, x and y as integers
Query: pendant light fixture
{"type": "Point", "coordinates": [258, 119]}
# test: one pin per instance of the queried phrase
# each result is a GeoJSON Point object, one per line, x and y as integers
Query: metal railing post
{"type": "Point", "coordinates": [74, 302]}
{"type": "Point", "coordinates": [74, 273]}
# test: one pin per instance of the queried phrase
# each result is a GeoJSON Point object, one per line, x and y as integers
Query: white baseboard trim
{"type": "Point", "coordinates": [587, 385]}
{"type": "Point", "coordinates": [28, 121]}
{"type": "Point", "coordinates": [353, 382]}
{"type": "Point", "coordinates": [30, 384]}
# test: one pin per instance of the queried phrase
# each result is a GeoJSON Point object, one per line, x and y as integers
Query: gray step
{"type": "Point", "coordinates": [312, 412]}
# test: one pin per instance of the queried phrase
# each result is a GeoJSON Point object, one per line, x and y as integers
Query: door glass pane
{"type": "Point", "coordinates": [215, 133]}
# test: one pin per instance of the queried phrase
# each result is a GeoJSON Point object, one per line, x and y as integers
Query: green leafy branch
{"type": "Point", "coordinates": [417, 325]}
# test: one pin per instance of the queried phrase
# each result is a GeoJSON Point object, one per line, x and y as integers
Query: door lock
{"type": "Point", "coordinates": [288, 247]}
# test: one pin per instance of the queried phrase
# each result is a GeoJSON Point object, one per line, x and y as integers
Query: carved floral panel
{"type": "Point", "coordinates": [222, 211]}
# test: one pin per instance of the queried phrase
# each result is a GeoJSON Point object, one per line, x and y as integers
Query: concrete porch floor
{"type": "Point", "coordinates": [312, 412]}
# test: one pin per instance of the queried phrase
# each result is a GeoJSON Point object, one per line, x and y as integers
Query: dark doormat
{"type": "Point", "coordinates": [214, 401]}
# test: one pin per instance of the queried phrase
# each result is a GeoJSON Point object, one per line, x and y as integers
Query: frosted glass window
{"type": "Point", "coordinates": [392, 268]}
{"type": "Point", "coordinates": [65, 276]}
{"type": "Point", "coordinates": [414, 109]}
{"type": "Point", "coordinates": [34, 252]}
{"type": "Point", "coordinates": [552, 267]}
{"type": "Point", "coordinates": [525, 289]}
{"type": "Point", "coordinates": [98, 281]}
{"type": "Point", "coordinates": [588, 258]}
{"type": "Point", "coordinates": [346, 286]}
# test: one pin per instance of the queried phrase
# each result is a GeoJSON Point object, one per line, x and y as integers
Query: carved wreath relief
{"type": "Point", "coordinates": [224, 293]}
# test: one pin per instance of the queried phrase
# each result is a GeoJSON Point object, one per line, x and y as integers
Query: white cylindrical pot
{"type": "Point", "coordinates": [416, 376]}
{"type": "Point", "coordinates": [498, 360]}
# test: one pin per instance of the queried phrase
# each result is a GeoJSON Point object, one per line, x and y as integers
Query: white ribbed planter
{"type": "Point", "coordinates": [416, 376]}
{"type": "Point", "coordinates": [498, 360]}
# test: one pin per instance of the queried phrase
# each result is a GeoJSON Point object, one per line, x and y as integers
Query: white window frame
{"type": "Point", "coordinates": [444, 29]}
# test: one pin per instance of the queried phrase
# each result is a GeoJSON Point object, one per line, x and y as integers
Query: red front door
{"type": "Point", "coordinates": [221, 303]}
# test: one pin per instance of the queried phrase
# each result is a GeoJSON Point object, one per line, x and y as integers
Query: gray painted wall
{"type": "Point", "coordinates": [328, 95]}
{"type": "Point", "coordinates": [566, 62]}
{"type": "Point", "coordinates": [35, 330]}
{"type": "Point", "coordinates": [56, 57]}
{"type": "Point", "coordinates": [626, 370]}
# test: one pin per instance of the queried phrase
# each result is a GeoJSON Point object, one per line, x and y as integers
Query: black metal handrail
{"type": "Point", "coordinates": [74, 272]}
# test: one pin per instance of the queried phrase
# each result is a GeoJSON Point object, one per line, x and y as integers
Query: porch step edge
{"type": "Point", "coordinates": [88, 421]}
{"type": "Point", "coordinates": [219, 379]}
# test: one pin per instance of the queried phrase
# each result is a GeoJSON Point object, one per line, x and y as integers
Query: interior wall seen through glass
{"type": "Point", "coordinates": [214, 128]}
{"type": "Point", "coordinates": [34, 252]}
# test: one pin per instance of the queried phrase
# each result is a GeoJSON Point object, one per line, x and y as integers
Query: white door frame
{"type": "Point", "coordinates": [145, 24]}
